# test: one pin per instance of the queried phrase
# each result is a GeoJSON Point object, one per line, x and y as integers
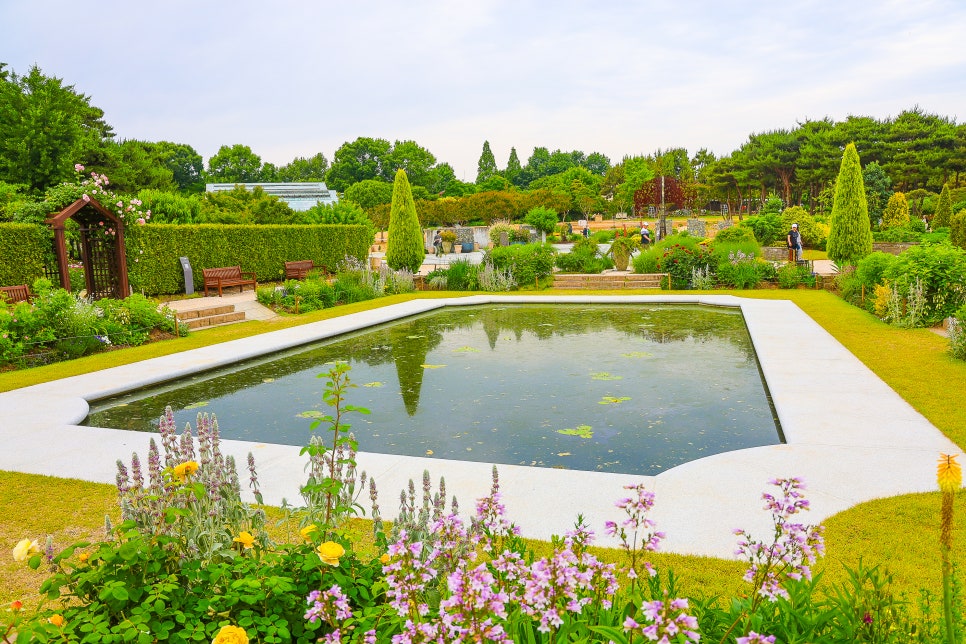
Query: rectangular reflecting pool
{"type": "Point", "coordinates": [610, 388]}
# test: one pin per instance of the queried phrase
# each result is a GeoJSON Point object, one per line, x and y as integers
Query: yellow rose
{"type": "Point", "coordinates": [186, 469]}
{"type": "Point", "coordinates": [25, 548]}
{"type": "Point", "coordinates": [329, 553]}
{"type": "Point", "coordinates": [56, 620]}
{"type": "Point", "coordinates": [307, 532]}
{"type": "Point", "coordinates": [83, 557]}
{"type": "Point", "coordinates": [384, 559]}
{"type": "Point", "coordinates": [246, 539]}
{"type": "Point", "coordinates": [231, 635]}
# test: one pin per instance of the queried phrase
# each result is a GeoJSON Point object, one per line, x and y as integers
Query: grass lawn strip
{"type": "Point", "coordinates": [913, 362]}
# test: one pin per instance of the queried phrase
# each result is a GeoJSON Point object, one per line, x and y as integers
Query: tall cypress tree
{"type": "Point", "coordinates": [486, 167]}
{"type": "Point", "coordinates": [850, 235]}
{"type": "Point", "coordinates": [944, 209]}
{"type": "Point", "coordinates": [404, 248]}
{"type": "Point", "coordinates": [513, 167]}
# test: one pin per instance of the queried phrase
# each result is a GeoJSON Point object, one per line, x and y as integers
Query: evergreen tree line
{"type": "Point", "coordinates": [47, 126]}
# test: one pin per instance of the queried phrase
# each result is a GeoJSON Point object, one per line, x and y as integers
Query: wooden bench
{"type": "Point", "coordinates": [299, 269]}
{"type": "Point", "coordinates": [14, 294]}
{"type": "Point", "coordinates": [228, 276]}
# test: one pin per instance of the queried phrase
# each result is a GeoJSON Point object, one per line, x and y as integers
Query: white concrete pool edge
{"type": "Point", "coordinates": [849, 435]}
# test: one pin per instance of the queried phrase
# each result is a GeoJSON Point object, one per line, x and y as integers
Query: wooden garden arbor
{"type": "Point", "coordinates": [101, 248]}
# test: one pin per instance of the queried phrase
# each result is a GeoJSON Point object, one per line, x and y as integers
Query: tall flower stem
{"type": "Point", "coordinates": [949, 476]}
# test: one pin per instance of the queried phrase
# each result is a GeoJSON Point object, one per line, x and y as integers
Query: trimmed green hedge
{"type": "Point", "coordinates": [153, 251]}
{"type": "Point", "coordinates": [23, 249]}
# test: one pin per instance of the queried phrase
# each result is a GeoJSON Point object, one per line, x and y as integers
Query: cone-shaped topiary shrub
{"type": "Point", "coordinates": [404, 249]}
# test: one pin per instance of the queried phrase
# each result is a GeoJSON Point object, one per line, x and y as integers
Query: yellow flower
{"type": "Point", "coordinates": [186, 469]}
{"type": "Point", "coordinates": [949, 475]}
{"type": "Point", "coordinates": [307, 531]}
{"type": "Point", "coordinates": [25, 548]}
{"type": "Point", "coordinates": [329, 553]}
{"type": "Point", "coordinates": [384, 559]}
{"type": "Point", "coordinates": [56, 620]}
{"type": "Point", "coordinates": [246, 539]}
{"type": "Point", "coordinates": [231, 635]}
{"type": "Point", "coordinates": [83, 557]}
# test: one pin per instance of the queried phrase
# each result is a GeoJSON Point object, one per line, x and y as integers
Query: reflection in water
{"type": "Point", "coordinates": [619, 388]}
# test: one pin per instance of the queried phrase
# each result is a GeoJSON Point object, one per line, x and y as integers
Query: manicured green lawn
{"type": "Point", "coordinates": [901, 532]}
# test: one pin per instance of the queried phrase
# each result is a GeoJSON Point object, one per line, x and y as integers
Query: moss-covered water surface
{"type": "Point", "coordinates": [618, 388]}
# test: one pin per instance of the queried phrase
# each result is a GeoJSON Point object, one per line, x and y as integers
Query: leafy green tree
{"type": "Point", "coordinates": [369, 193]}
{"type": "Point", "coordinates": [543, 219]}
{"type": "Point", "coordinates": [170, 207]}
{"type": "Point", "coordinates": [364, 158]}
{"type": "Point", "coordinates": [404, 249]}
{"type": "Point", "coordinates": [943, 209]}
{"type": "Point", "coordinates": [877, 189]}
{"type": "Point", "coordinates": [241, 206]}
{"type": "Point", "coordinates": [486, 166]}
{"type": "Point", "coordinates": [597, 163]}
{"type": "Point", "coordinates": [185, 164]}
{"type": "Point", "coordinates": [134, 165]}
{"type": "Point", "coordinates": [896, 213]}
{"type": "Point", "coordinates": [850, 235]}
{"type": "Point", "coordinates": [45, 128]}
{"type": "Point", "coordinates": [234, 164]}
{"type": "Point", "coordinates": [340, 212]}
{"type": "Point", "coordinates": [513, 167]}
{"type": "Point", "coordinates": [637, 172]}
{"type": "Point", "coordinates": [417, 161]}
{"type": "Point", "coordinates": [302, 169]}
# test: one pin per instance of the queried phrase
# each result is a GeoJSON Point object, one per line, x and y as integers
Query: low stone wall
{"type": "Point", "coordinates": [893, 248]}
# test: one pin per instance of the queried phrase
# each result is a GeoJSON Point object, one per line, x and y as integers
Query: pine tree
{"type": "Point", "coordinates": [486, 167]}
{"type": "Point", "coordinates": [944, 210]}
{"type": "Point", "coordinates": [513, 167]}
{"type": "Point", "coordinates": [896, 213]}
{"type": "Point", "coordinates": [404, 248]}
{"type": "Point", "coordinates": [850, 235]}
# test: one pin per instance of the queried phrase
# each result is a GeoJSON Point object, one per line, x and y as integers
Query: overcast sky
{"type": "Point", "coordinates": [296, 77]}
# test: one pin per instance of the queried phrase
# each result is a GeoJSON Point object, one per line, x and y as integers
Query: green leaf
{"type": "Point", "coordinates": [197, 405]}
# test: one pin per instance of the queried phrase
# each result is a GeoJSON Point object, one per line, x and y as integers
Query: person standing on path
{"type": "Point", "coordinates": [795, 242]}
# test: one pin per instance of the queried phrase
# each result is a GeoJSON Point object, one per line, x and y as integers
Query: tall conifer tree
{"type": "Point", "coordinates": [404, 248]}
{"type": "Point", "coordinates": [850, 235]}
{"type": "Point", "coordinates": [513, 167]}
{"type": "Point", "coordinates": [486, 167]}
{"type": "Point", "coordinates": [944, 209]}
{"type": "Point", "coordinates": [896, 211]}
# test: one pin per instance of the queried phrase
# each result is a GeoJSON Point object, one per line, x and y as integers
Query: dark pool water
{"type": "Point", "coordinates": [621, 388]}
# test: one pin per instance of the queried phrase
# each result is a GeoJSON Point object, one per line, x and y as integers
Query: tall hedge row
{"type": "Point", "coordinates": [153, 252]}
{"type": "Point", "coordinates": [23, 252]}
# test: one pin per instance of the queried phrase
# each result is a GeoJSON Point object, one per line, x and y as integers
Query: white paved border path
{"type": "Point", "coordinates": [849, 435]}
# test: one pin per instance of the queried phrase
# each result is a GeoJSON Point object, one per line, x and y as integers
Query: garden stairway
{"type": "Point", "coordinates": [608, 281]}
{"type": "Point", "coordinates": [210, 316]}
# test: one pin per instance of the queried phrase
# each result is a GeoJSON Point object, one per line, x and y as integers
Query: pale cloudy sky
{"type": "Point", "coordinates": [295, 77]}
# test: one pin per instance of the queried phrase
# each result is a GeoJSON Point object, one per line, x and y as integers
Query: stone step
{"type": "Point", "coordinates": [211, 316]}
{"type": "Point", "coordinates": [206, 312]}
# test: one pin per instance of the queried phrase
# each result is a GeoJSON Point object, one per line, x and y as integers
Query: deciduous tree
{"type": "Point", "coordinates": [355, 161]}
{"type": "Point", "coordinates": [850, 235]}
{"type": "Point", "coordinates": [234, 164]}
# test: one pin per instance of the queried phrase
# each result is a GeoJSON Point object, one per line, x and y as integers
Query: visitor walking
{"type": "Point", "coordinates": [795, 243]}
{"type": "Point", "coordinates": [438, 244]}
{"type": "Point", "coordinates": [645, 234]}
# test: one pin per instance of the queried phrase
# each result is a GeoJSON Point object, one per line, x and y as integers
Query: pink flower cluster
{"type": "Point", "coordinates": [794, 548]}
{"type": "Point", "coordinates": [665, 621]}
